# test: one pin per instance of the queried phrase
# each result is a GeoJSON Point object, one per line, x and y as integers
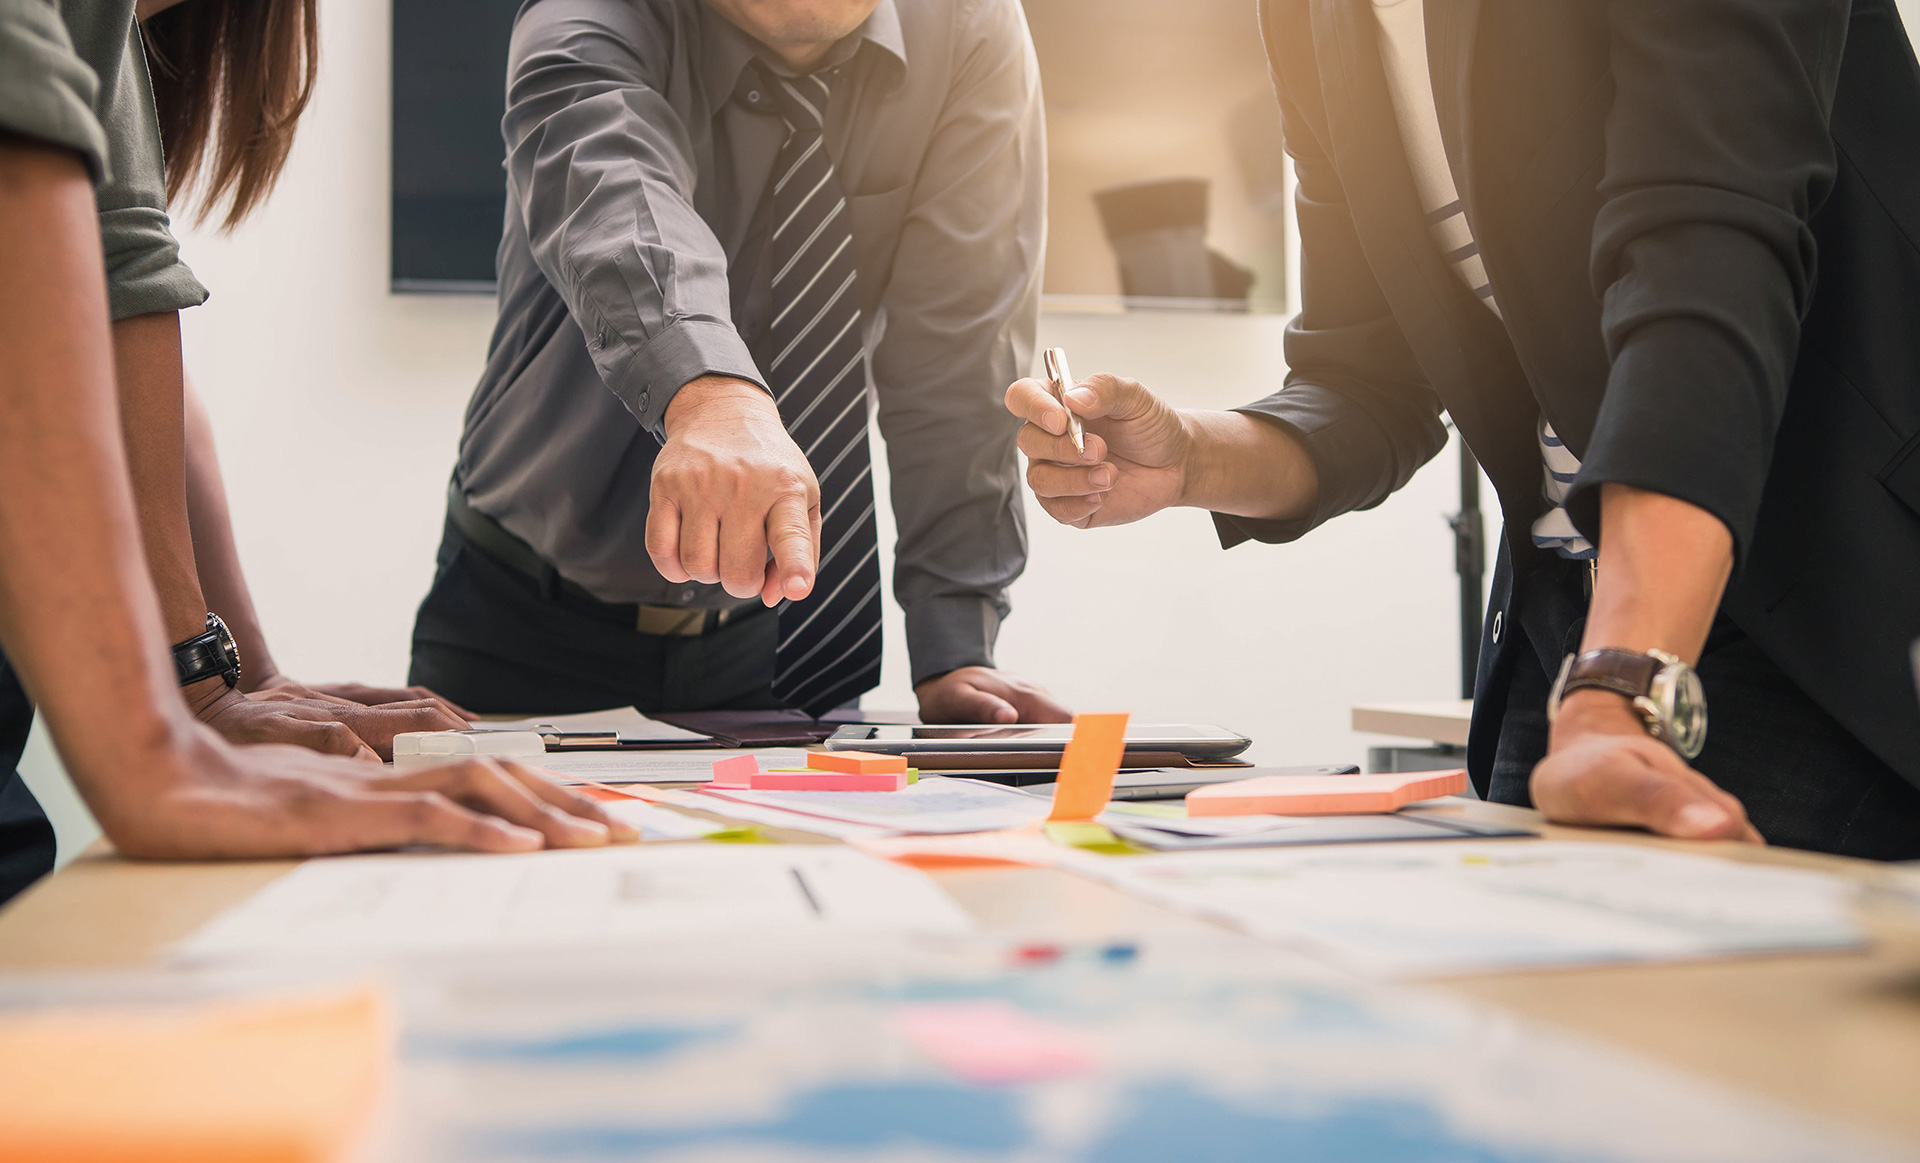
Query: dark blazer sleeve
{"type": "Point", "coordinates": [1354, 394]}
{"type": "Point", "coordinates": [1718, 153]}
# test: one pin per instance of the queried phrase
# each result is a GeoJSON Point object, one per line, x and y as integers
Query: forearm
{"type": "Point", "coordinates": [1246, 467]}
{"type": "Point", "coordinates": [146, 352]}
{"type": "Point", "coordinates": [78, 616]}
{"type": "Point", "coordinates": [1664, 564]}
{"type": "Point", "coordinates": [216, 557]}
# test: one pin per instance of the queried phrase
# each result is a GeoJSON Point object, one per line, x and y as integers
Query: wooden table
{"type": "Point", "coordinates": [1836, 1035]}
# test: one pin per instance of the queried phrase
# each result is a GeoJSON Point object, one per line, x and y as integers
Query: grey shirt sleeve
{"type": "Point", "coordinates": [46, 91]}
{"type": "Point", "coordinates": [144, 271]}
{"type": "Point", "coordinates": [602, 167]}
{"type": "Point", "coordinates": [962, 306]}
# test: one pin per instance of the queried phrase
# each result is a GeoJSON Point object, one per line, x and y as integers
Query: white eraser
{"type": "Point", "coordinates": [438, 746]}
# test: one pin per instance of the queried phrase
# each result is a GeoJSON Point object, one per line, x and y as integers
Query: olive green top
{"type": "Point", "coordinates": [74, 74]}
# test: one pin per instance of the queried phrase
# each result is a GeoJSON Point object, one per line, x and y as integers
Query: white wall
{"type": "Point", "coordinates": [337, 407]}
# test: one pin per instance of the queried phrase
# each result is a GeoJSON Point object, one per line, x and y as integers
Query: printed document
{"type": "Point", "coordinates": [392, 905]}
{"type": "Point", "coordinates": [1415, 910]}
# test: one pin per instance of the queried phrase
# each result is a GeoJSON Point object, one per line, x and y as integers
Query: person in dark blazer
{"type": "Point", "coordinates": [1660, 264]}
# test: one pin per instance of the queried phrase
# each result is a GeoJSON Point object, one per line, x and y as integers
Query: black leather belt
{"type": "Point", "coordinates": [490, 538]}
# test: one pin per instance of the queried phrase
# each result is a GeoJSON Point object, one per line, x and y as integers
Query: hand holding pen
{"type": "Point", "coordinates": [1100, 451]}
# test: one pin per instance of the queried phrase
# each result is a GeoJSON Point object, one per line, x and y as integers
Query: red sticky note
{"type": "Point", "coordinates": [827, 781]}
{"type": "Point", "coordinates": [734, 772]}
{"type": "Point", "coordinates": [1087, 769]}
{"type": "Point", "coordinates": [856, 762]}
{"type": "Point", "coordinates": [993, 1042]}
{"type": "Point", "coordinates": [1322, 795]}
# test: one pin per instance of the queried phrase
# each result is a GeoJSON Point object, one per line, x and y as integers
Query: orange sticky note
{"type": "Point", "coordinates": [250, 1081]}
{"type": "Point", "coordinates": [1322, 795]}
{"type": "Point", "coordinates": [1087, 769]}
{"type": "Point", "coordinates": [856, 762]}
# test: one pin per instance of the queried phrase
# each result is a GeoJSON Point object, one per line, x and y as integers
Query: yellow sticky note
{"type": "Point", "coordinates": [1087, 769]}
{"type": "Point", "coordinates": [261, 1081]}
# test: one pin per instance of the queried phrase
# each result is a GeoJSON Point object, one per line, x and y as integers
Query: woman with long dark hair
{"type": "Point", "coordinates": [90, 289]}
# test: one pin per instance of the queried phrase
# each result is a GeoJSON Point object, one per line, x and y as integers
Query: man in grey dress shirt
{"type": "Point", "coordinates": [633, 516]}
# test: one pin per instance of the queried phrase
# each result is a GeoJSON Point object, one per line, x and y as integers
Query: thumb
{"type": "Point", "coordinates": [790, 538]}
{"type": "Point", "coordinates": [1106, 396]}
{"type": "Point", "coordinates": [1690, 808]}
{"type": "Point", "coordinates": [975, 705]}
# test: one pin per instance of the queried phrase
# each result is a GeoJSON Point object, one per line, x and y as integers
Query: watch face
{"type": "Point", "coordinates": [1678, 688]}
{"type": "Point", "coordinates": [229, 649]}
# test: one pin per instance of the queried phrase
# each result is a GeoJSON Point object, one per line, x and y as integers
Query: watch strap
{"type": "Point", "coordinates": [1624, 672]}
{"type": "Point", "coordinates": [205, 656]}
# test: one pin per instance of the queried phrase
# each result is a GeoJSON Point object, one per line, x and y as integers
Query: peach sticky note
{"type": "Point", "coordinates": [993, 1042]}
{"type": "Point", "coordinates": [1088, 767]}
{"type": "Point", "coordinates": [734, 772]}
{"type": "Point", "coordinates": [827, 781]}
{"type": "Point", "coordinates": [856, 762]}
{"type": "Point", "coordinates": [259, 1081]}
{"type": "Point", "coordinates": [1322, 795]}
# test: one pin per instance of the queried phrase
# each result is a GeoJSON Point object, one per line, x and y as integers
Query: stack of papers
{"type": "Point", "coordinates": [627, 723]}
{"type": "Point", "coordinates": [1184, 833]}
{"type": "Point", "coordinates": [937, 805]}
{"type": "Point", "coordinates": [1436, 909]}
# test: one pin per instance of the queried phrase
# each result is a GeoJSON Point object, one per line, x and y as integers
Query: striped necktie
{"type": "Point", "coordinates": [829, 647]}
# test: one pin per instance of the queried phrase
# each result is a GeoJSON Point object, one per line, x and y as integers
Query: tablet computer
{"type": "Point", "coordinates": [1195, 741]}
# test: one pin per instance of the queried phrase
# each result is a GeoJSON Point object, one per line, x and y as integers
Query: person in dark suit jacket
{"type": "Point", "coordinates": [1671, 307]}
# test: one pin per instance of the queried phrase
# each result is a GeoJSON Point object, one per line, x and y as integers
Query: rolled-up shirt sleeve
{"type": "Point", "coordinates": [1718, 154]}
{"type": "Point", "coordinates": [145, 273]}
{"type": "Point", "coordinates": [603, 171]}
{"type": "Point", "coordinates": [962, 308]}
{"type": "Point", "coordinates": [46, 91]}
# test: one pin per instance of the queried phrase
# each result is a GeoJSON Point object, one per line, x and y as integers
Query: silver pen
{"type": "Point", "coordinates": [1059, 380]}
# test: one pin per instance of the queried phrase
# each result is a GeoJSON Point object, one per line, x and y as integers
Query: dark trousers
{"type": "Point", "coordinates": [26, 838]}
{"type": "Point", "coordinates": [1805, 781]}
{"type": "Point", "coordinates": [495, 640]}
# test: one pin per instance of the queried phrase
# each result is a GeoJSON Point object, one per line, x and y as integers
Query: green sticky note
{"type": "Point", "coordinates": [1088, 836]}
{"type": "Point", "coordinates": [738, 836]}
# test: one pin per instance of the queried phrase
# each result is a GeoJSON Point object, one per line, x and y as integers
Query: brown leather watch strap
{"type": "Point", "coordinates": [1624, 672]}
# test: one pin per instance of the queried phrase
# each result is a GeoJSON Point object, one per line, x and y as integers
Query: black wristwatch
{"type": "Point", "coordinates": [1663, 689]}
{"type": "Point", "coordinates": [205, 655]}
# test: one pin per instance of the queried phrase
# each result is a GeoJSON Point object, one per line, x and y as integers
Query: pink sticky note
{"type": "Point", "coordinates": [1322, 795]}
{"type": "Point", "coordinates": [735, 772]}
{"type": "Point", "coordinates": [827, 781]}
{"type": "Point", "coordinates": [993, 1042]}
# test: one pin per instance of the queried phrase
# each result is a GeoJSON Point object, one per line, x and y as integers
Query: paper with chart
{"type": "Point", "coordinates": [1412, 910]}
{"type": "Point", "coordinates": [691, 1055]}
{"type": "Point", "coordinates": [623, 767]}
{"type": "Point", "coordinates": [935, 805]}
{"type": "Point", "coordinates": [385, 905]}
